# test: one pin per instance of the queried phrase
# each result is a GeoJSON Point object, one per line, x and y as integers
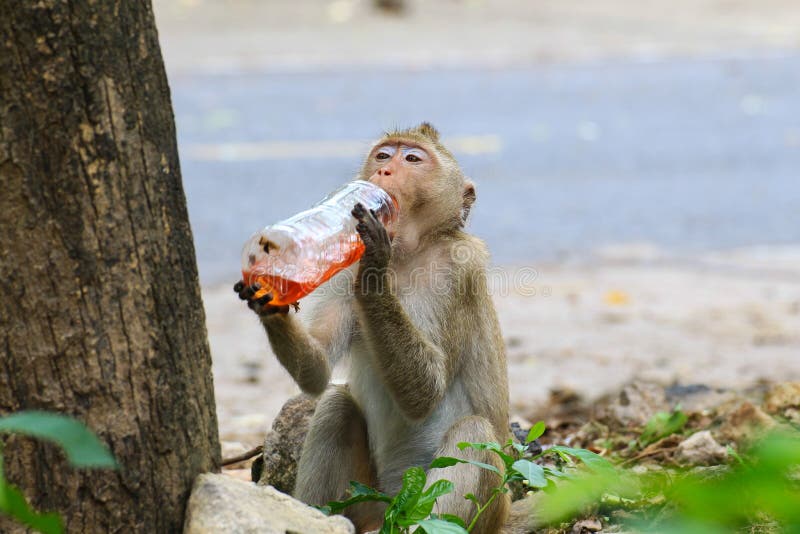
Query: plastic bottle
{"type": "Point", "coordinates": [293, 257]}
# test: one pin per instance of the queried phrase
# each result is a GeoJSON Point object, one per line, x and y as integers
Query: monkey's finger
{"type": "Point", "coordinates": [265, 299]}
{"type": "Point", "coordinates": [238, 286]}
{"type": "Point", "coordinates": [359, 212]}
{"type": "Point", "coordinates": [248, 292]}
{"type": "Point", "coordinates": [366, 235]}
{"type": "Point", "coordinates": [380, 228]}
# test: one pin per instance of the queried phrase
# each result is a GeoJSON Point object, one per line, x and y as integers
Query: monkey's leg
{"type": "Point", "coordinates": [469, 478]}
{"type": "Point", "coordinates": [336, 451]}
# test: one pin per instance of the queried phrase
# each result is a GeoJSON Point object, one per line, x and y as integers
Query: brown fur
{"type": "Point", "coordinates": [427, 362]}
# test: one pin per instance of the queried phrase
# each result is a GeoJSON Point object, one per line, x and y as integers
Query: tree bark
{"type": "Point", "coordinates": [100, 308]}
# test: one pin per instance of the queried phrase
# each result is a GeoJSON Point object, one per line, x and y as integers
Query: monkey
{"type": "Point", "coordinates": [427, 364]}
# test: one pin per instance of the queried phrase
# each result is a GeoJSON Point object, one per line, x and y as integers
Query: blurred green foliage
{"type": "Point", "coordinates": [82, 449]}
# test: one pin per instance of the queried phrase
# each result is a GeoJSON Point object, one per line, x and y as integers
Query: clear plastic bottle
{"type": "Point", "coordinates": [293, 257]}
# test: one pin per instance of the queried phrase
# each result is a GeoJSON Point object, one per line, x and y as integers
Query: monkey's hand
{"type": "Point", "coordinates": [260, 305]}
{"type": "Point", "coordinates": [377, 249]}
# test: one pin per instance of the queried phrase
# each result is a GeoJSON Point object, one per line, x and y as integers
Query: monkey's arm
{"type": "Point", "coordinates": [415, 370]}
{"type": "Point", "coordinates": [304, 353]}
{"type": "Point", "coordinates": [300, 353]}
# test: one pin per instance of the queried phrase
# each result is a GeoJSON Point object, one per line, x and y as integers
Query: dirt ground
{"type": "Point", "coordinates": [728, 319]}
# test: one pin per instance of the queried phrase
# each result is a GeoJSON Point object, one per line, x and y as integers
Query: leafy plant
{"type": "Point", "coordinates": [412, 506]}
{"type": "Point", "coordinates": [759, 492]}
{"type": "Point", "coordinates": [526, 470]}
{"type": "Point", "coordinates": [82, 449]}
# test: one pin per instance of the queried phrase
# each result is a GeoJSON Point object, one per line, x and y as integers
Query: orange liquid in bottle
{"type": "Point", "coordinates": [285, 291]}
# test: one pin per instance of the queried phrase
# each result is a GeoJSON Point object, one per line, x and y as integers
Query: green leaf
{"type": "Point", "coordinates": [489, 446]}
{"type": "Point", "coordinates": [445, 461]}
{"type": "Point", "coordinates": [448, 461]}
{"type": "Point", "coordinates": [555, 473]}
{"type": "Point", "coordinates": [450, 518]}
{"type": "Point", "coordinates": [533, 473]}
{"type": "Point", "coordinates": [440, 526]}
{"type": "Point", "coordinates": [413, 483]}
{"type": "Point", "coordinates": [81, 446]}
{"type": "Point", "coordinates": [424, 505]}
{"type": "Point", "coordinates": [12, 502]}
{"type": "Point", "coordinates": [662, 425]}
{"type": "Point", "coordinates": [471, 497]}
{"type": "Point", "coordinates": [429, 496]}
{"type": "Point", "coordinates": [536, 432]}
{"type": "Point", "coordinates": [592, 460]}
{"type": "Point", "coordinates": [359, 493]}
{"type": "Point", "coordinates": [357, 488]}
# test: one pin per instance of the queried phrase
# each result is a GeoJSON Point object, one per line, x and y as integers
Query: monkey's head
{"type": "Point", "coordinates": [422, 175]}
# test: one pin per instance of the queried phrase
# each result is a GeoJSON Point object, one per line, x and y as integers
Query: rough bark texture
{"type": "Point", "coordinates": [100, 309]}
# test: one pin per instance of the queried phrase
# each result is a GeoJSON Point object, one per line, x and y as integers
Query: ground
{"type": "Point", "coordinates": [725, 320]}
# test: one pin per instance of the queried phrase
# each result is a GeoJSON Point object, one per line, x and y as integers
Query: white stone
{"type": "Point", "coordinates": [223, 504]}
{"type": "Point", "coordinates": [701, 449]}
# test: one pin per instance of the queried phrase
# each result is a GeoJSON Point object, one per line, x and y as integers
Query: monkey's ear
{"type": "Point", "coordinates": [468, 198]}
{"type": "Point", "coordinates": [428, 131]}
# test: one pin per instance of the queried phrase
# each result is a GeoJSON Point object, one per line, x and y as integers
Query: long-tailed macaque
{"type": "Point", "coordinates": [427, 362]}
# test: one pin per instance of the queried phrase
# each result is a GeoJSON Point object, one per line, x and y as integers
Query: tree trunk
{"type": "Point", "coordinates": [100, 308]}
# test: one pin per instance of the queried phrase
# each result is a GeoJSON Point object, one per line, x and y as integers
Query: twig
{"type": "Point", "coordinates": [645, 454]}
{"type": "Point", "coordinates": [244, 456]}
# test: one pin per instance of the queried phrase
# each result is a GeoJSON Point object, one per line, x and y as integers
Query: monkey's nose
{"type": "Point", "coordinates": [384, 171]}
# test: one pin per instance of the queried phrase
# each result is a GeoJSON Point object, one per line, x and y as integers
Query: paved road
{"type": "Point", "coordinates": [686, 154]}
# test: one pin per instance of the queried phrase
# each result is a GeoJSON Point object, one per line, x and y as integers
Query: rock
{"type": "Point", "coordinates": [701, 449]}
{"type": "Point", "coordinates": [587, 525]}
{"type": "Point", "coordinates": [239, 474]}
{"type": "Point", "coordinates": [284, 443]}
{"type": "Point", "coordinates": [744, 424]}
{"type": "Point", "coordinates": [636, 404]}
{"type": "Point", "coordinates": [223, 504]}
{"type": "Point", "coordinates": [782, 397]}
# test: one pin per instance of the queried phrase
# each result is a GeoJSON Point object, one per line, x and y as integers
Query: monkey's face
{"type": "Point", "coordinates": [424, 179]}
{"type": "Point", "coordinates": [401, 167]}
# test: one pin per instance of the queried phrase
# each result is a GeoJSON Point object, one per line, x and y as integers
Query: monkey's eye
{"type": "Point", "coordinates": [413, 159]}
{"type": "Point", "coordinates": [385, 152]}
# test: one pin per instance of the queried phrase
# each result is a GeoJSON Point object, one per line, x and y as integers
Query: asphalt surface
{"type": "Point", "coordinates": [687, 154]}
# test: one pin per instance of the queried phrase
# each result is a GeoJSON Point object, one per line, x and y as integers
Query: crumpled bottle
{"type": "Point", "coordinates": [293, 257]}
